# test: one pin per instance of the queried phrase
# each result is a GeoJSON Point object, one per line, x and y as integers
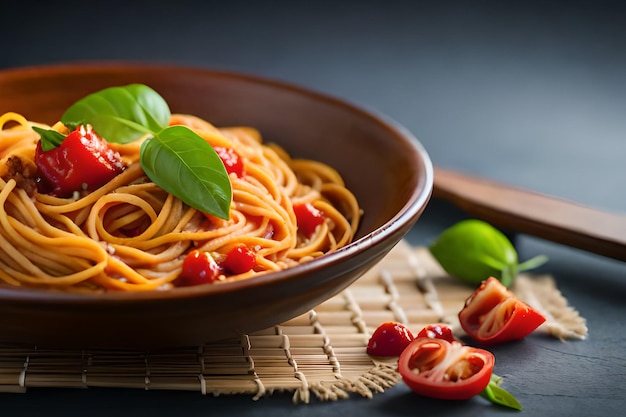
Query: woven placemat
{"type": "Point", "coordinates": [320, 354]}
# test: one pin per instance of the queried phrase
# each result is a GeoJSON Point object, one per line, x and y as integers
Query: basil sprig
{"type": "Point", "coordinates": [498, 395]}
{"type": "Point", "coordinates": [173, 157]}
{"type": "Point", "coordinates": [473, 250]}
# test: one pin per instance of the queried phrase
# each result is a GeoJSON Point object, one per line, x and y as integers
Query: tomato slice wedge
{"type": "Point", "coordinates": [445, 370]}
{"type": "Point", "coordinates": [493, 314]}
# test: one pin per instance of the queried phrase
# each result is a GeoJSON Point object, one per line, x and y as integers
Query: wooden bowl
{"type": "Point", "coordinates": [381, 162]}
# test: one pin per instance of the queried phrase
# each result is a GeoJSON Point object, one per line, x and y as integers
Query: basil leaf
{"type": "Point", "coordinates": [498, 395]}
{"type": "Point", "coordinates": [50, 139]}
{"type": "Point", "coordinates": [473, 250]}
{"type": "Point", "coordinates": [495, 379]}
{"type": "Point", "coordinates": [185, 165]}
{"type": "Point", "coordinates": [120, 114]}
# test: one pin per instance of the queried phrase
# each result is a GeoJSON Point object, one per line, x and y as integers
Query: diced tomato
{"type": "Point", "coordinates": [239, 260]}
{"type": "Point", "coordinates": [437, 331]}
{"type": "Point", "coordinates": [199, 267]}
{"type": "Point", "coordinates": [493, 314]}
{"type": "Point", "coordinates": [446, 370]}
{"type": "Point", "coordinates": [83, 161]}
{"type": "Point", "coordinates": [231, 160]}
{"type": "Point", "coordinates": [389, 339]}
{"type": "Point", "coordinates": [308, 218]}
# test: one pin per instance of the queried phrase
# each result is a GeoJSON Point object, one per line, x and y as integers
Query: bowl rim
{"type": "Point", "coordinates": [407, 214]}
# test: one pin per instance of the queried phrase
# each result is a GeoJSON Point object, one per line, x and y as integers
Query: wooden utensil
{"type": "Point", "coordinates": [537, 214]}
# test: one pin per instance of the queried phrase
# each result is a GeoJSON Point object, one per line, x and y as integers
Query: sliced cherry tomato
{"type": "Point", "coordinates": [308, 218]}
{"type": "Point", "coordinates": [389, 339]}
{"type": "Point", "coordinates": [446, 370]}
{"type": "Point", "coordinates": [83, 161]}
{"type": "Point", "coordinates": [240, 259]}
{"type": "Point", "coordinates": [231, 160]}
{"type": "Point", "coordinates": [493, 314]}
{"type": "Point", "coordinates": [199, 267]}
{"type": "Point", "coordinates": [437, 331]}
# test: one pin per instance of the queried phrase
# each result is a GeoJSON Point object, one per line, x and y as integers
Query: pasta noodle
{"type": "Point", "coordinates": [131, 235]}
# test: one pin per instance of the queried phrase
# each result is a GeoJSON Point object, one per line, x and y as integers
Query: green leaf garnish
{"type": "Point", "coordinates": [532, 263]}
{"type": "Point", "coordinates": [120, 114]}
{"type": "Point", "coordinates": [473, 250]}
{"type": "Point", "coordinates": [174, 158]}
{"type": "Point", "coordinates": [187, 168]}
{"type": "Point", "coordinates": [50, 139]}
{"type": "Point", "coordinates": [498, 395]}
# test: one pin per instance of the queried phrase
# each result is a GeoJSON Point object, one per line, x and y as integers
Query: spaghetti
{"type": "Point", "coordinates": [129, 234]}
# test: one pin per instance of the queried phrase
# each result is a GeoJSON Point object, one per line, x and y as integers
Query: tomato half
{"type": "Point", "coordinates": [445, 370]}
{"type": "Point", "coordinates": [493, 314]}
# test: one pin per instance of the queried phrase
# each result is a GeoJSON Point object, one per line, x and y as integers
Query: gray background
{"type": "Point", "coordinates": [528, 93]}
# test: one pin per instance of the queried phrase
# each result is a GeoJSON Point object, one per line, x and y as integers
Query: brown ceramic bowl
{"type": "Point", "coordinates": [384, 165]}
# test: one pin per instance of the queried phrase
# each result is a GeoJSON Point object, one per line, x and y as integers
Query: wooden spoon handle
{"type": "Point", "coordinates": [536, 214]}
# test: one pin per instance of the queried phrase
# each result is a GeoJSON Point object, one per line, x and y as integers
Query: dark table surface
{"type": "Point", "coordinates": [531, 94]}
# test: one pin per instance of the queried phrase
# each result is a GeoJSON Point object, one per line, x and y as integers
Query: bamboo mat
{"type": "Point", "coordinates": [320, 354]}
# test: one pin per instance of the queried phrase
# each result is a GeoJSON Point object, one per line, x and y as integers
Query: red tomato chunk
{"type": "Point", "coordinates": [231, 160]}
{"type": "Point", "coordinates": [437, 331]}
{"type": "Point", "coordinates": [83, 161]}
{"type": "Point", "coordinates": [239, 260]}
{"type": "Point", "coordinates": [308, 218]}
{"type": "Point", "coordinates": [199, 267]}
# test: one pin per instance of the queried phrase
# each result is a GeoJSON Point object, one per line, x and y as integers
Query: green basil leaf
{"type": "Point", "coordinates": [498, 395]}
{"type": "Point", "coordinates": [120, 114]}
{"type": "Point", "coordinates": [50, 139]}
{"type": "Point", "coordinates": [495, 379]}
{"type": "Point", "coordinates": [185, 165]}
